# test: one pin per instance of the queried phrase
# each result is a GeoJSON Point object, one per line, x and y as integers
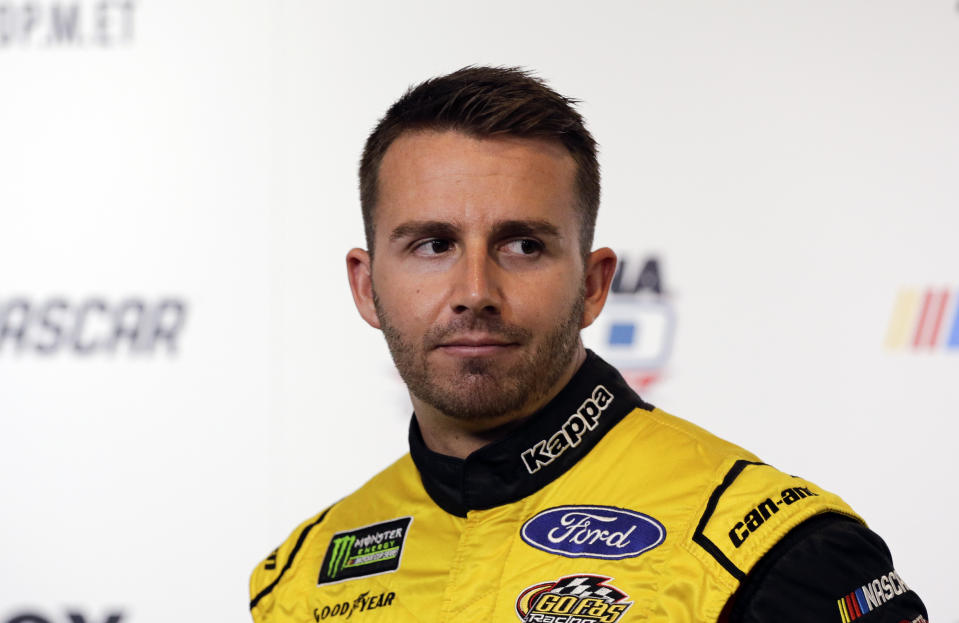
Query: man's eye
{"type": "Point", "coordinates": [524, 246]}
{"type": "Point", "coordinates": [436, 246]}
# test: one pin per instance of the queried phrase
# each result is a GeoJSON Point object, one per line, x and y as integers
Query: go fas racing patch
{"type": "Point", "coordinates": [583, 598]}
{"type": "Point", "coordinates": [365, 551]}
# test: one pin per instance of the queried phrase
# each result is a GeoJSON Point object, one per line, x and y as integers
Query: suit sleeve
{"type": "Point", "coordinates": [829, 568]}
{"type": "Point", "coordinates": [267, 575]}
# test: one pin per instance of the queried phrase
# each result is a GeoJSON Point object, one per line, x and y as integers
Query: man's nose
{"type": "Point", "coordinates": [477, 284]}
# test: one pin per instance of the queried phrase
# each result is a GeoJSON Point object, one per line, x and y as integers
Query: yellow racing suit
{"type": "Point", "coordinates": [598, 509]}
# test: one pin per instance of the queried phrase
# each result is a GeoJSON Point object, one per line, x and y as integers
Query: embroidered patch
{"type": "Point", "coordinates": [365, 551]}
{"type": "Point", "coordinates": [593, 532]}
{"type": "Point", "coordinates": [870, 596]}
{"type": "Point", "coordinates": [583, 598]}
{"type": "Point", "coordinates": [756, 517]}
{"type": "Point", "coordinates": [363, 602]}
{"type": "Point", "coordinates": [577, 426]}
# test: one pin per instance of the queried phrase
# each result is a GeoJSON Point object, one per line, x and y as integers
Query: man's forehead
{"type": "Point", "coordinates": [450, 175]}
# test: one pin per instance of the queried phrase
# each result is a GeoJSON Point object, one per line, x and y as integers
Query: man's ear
{"type": "Point", "coordinates": [600, 267]}
{"type": "Point", "coordinates": [359, 268]}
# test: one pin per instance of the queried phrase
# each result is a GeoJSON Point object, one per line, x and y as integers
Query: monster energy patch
{"type": "Point", "coordinates": [360, 552]}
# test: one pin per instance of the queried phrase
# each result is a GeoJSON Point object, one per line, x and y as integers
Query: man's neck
{"type": "Point", "coordinates": [459, 438]}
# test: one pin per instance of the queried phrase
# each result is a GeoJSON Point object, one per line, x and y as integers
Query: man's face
{"type": "Point", "coordinates": [477, 277]}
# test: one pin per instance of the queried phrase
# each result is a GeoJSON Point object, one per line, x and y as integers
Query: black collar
{"type": "Point", "coordinates": [535, 454]}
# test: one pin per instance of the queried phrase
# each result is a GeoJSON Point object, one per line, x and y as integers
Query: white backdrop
{"type": "Point", "coordinates": [790, 168]}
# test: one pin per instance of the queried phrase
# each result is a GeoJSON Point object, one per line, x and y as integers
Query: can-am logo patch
{"type": "Point", "coordinates": [593, 532]}
{"type": "Point", "coordinates": [572, 432]}
{"type": "Point", "coordinates": [365, 551]}
{"type": "Point", "coordinates": [581, 598]}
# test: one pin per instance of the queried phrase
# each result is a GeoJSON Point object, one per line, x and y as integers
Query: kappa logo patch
{"type": "Point", "coordinates": [365, 551]}
{"type": "Point", "coordinates": [577, 426]}
{"type": "Point", "coordinates": [584, 598]}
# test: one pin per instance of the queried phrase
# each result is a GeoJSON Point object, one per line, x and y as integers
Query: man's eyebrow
{"type": "Point", "coordinates": [501, 229]}
{"type": "Point", "coordinates": [510, 229]}
{"type": "Point", "coordinates": [423, 229]}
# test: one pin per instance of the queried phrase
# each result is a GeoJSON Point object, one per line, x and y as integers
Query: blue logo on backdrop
{"type": "Point", "coordinates": [635, 331]}
{"type": "Point", "coordinates": [593, 532]}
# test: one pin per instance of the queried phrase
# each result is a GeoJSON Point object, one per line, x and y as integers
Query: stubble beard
{"type": "Point", "coordinates": [482, 388]}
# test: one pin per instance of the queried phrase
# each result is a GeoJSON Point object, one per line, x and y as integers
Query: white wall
{"type": "Point", "coordinates": [789, 166]}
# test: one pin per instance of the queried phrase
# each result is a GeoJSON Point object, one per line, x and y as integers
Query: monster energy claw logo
{"type": "Point", "coordinates": [341, 548]}
{"type": "Point", "coordinates": [364, 551]}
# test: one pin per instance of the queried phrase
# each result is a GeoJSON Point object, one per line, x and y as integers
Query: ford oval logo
{"type": "Point", "coordinates": [593, 532]}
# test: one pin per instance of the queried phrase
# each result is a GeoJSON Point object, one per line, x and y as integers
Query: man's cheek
{"type": "Point", "coordinates": [543, 308]}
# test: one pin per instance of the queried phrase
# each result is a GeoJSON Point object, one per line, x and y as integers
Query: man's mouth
{"type": "Point", "coordinates": [475, 345]}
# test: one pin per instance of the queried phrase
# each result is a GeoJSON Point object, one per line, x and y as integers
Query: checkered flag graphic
{"type": "Point", "coordinates": [587, 586]}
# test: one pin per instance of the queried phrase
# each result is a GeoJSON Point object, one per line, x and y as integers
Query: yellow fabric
{"type": "Point", "coordinates": [466, 570]}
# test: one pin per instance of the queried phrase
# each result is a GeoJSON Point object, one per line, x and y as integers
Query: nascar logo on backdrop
{"type": "Point", "coordinates": [924, 320]}
{"type": "Point", "coordinates": [635, 331]}
{"type": "Point", "coordinates": [135, 325]}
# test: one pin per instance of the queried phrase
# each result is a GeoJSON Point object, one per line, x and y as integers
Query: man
{"type": "Point", "coordinates": [539, 486]}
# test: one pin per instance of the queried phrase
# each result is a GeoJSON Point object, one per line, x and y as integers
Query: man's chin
{"type": "Point", "coordinates": [475, 394]}
{"type": "Point", "coordinates": [473, 380]}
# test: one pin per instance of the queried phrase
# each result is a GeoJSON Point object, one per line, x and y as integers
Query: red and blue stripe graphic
{"type": "Point", "coordinates": [853, 606]}
{"type": "Point", "coordinates": [924, 320]}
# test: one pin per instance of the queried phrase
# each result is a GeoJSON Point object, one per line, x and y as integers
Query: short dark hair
{"type": "Point", "coordinates": [487, 102]}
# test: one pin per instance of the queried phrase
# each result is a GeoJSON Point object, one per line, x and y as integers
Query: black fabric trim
{"type": "Point", "coordinates": [804, 575]}
{"type": "Point", "coordinates": [701, 539]}
{"type": "Point", "coordinates": [289, 561]}
{"type": "Point", "coordinates": [755, 581]}
{"type": "Point", "coordinates": [496, 474]}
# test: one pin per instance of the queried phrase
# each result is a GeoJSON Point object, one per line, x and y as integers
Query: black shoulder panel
{"type": "Point", "coordinates": [701, 539]}
{"type": "Point", "coordinates": [828, 568]}
{"type": "Point", "coordinates": [289, 561]}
